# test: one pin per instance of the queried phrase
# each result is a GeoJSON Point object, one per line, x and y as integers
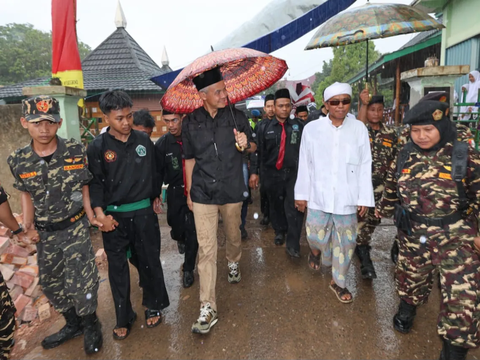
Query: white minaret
{"type": "Point", "coordinates": [120, 20]}
{"type": "Point", "coordinates": [165, 60]}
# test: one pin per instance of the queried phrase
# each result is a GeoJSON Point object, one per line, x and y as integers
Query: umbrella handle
{"type": "Point", "coordinates": [369, 95]}
{"type": "Point", "coordinates": [239, 148]}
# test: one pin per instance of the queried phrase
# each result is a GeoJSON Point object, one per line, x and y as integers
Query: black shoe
{"type": "Point", "coordinates": [72, 329]}
{"type": "Point", "coordinates": [403, 319]}
{"type": "Point", "coordinates": [394, 252]}
{"type": "Point", "coordinates": [452, 352]}
{"type": "Point", "coordinates": [93, 339]}
{"type": "Point", "coordinates": [188, 279]}
{"type": "Point", "coordinates": [265, 221]}
{"type": "Point", "coordinates": [181, 247]}
{"type": "Point", "coordinates": [366, 265]}
{"type": "Point", "coordinates": [244, 232]}
{"type": "Point", "coordinates": [292, 252]}
{"type": "Point", "coordinates": [279, 239]}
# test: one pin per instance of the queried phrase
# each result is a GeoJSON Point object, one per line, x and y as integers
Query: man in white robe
{"type": "Point", "coordinates": [334, 182]}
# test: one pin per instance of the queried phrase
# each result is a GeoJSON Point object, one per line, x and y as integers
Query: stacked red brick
{"type": "Point", "coordinates": [20, 270]}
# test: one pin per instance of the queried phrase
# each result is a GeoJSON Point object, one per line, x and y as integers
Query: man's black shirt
{"type": "Point", "coordinates": [123, 172]}
{"type": "Point", "coordinates": [169, 160]}
{"type": "Point", "coordinates": [269, 143]}
{"type": "Point", "coordinates": [217, 176]}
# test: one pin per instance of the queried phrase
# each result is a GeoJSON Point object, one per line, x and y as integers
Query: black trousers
{"type": "Point", "coordinates": [140, 231]}
{"type": "Point", "coordinates": [283, 215]}
{"type": "Point", "coordinates": [181, 220]}
{"type": "Point", "coordinates": [264, 206]}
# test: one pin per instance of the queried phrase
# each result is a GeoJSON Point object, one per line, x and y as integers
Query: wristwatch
{"type": "Point", "coordinates": [18, 231]}
{"type": "Point", "coordinates": [249, 145]}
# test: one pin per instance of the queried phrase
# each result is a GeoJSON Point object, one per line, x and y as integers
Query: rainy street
{"type": "Point", "coordinates": [281, 309]}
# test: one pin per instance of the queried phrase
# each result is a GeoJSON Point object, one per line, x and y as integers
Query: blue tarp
{"type": "Point", "coordinates": [282, 36]}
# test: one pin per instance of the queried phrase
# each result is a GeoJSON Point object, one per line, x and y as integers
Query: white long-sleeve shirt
{"type": "Point", "coordinates": [335, 167]}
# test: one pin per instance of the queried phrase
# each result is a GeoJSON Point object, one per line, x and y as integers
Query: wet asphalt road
{"type": "Point", "coordinates": [281, 309]}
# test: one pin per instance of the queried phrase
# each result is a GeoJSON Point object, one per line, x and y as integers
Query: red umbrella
{"type": "Point", "coordinates": [246, 72]}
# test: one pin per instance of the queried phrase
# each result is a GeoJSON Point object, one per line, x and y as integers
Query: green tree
{"type": "Point", "coordinates": [26, 53]}
{"type": "Point", "coordinates": [321, 76]}
{"type": "Point", "coordinates": [347, 61]}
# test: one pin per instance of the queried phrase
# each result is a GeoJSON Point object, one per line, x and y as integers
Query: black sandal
{"type": "Point", "coordinates": [340, 292]}
{"type": "Point", "coordinates": [314, 261]}
{"type": "Point", "coordinates": [149, 313]}
{"type": "Point", "coordinates": [128, 327]}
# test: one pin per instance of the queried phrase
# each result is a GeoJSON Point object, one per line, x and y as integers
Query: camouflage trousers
{"type": "Point", "coordinates": [448, 250]}
{"type": "Point", "coordinates": [68, 273]}
{"type": "Point", "coordinates": [7, 321]}
{"type": "Point", "coordinates": [368, 223]}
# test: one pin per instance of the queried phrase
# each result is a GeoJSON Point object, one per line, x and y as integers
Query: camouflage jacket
{"type": "Point", "coordinates": [383, 144]}
{"type": "Point", "coordinates": [55, 187]}
{"type": "Point", "coordinates": [425, 185]}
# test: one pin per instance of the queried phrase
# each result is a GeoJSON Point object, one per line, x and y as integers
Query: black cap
{"type": "Point", "coordinates": [282, 94]}
{"type": "Point", "coordinates": [441, 96]}
{"type": "Point", "coordinates": [301, 108]}
{"type": "Point", "coordinates": [427, 112]}
{"type": "Point", "coordinates": [376, 99]}
{"type": "Point", "coordinates": [208, 78]}
{"type": "Point", "coordinates": [269, 97]}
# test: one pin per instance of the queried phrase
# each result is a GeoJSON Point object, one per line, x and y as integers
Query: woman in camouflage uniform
{"type": "Point", "coordinates": [433, 187]}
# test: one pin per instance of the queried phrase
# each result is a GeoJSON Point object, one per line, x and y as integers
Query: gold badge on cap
{"type": "Point", "coordinates": [437, 115]}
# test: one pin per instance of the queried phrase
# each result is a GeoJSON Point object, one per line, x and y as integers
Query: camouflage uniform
{"type": "Point", "coordinates": [383, 144]}
{"type": "Point", "coordinates": [7, 321]}
{"type": "Point", "coordinates": [68, 274]}
{"type": "Point", "coordinates": [425, 187]}
{"type": "Point", "coordinates": [7, 309]}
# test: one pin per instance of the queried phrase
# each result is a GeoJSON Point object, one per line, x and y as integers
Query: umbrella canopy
{"type": "Point", "coordinates": [246, 72]}
{"type": "Point", "coordinates": [371, 21]}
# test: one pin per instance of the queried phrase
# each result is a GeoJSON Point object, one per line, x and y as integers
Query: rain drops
{"type": "Point", "coordinates": [292, 116]}
{"type": "Point", "coordinates": [245, 194]}
{"type": "Point", "coordinates": [89, 296]}
{"type": "Point", "coordinates": [255, 216]}
{"type": "Point", "coordinates": [423, 239]}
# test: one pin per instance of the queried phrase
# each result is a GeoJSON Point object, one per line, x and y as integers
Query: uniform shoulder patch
{"type": "Point", "coordinates": [141, 150]}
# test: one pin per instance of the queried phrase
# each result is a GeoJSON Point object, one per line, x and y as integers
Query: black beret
{"type": "Point", "coordinates": [208, 78]}
{"type": "Point", "coordinates": [301, 108]}
{"type": "Point", "coordinates": [269, 97]}
{"type": "Point", "coordinates": [427, 112]}
{"type": "Point", "coordinates": [376, 99]}
{"type": "Point", "coordinates": [282, 94]}
{"type": "Point", "coordinates": [435, 95]}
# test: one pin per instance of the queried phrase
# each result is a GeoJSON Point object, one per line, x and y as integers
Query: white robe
{"type": "Point", "coordinates": [335, 167]}
{"type": "Point", "coordinates": [472, 97]}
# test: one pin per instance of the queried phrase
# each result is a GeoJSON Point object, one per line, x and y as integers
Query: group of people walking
{"type": "Point", "coordinates": [344, 173]}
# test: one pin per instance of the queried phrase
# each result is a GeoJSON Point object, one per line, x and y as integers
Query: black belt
{"type": "Point", "coordinates": [440, 222]}
{"type": "Point", "coordinates": [61, 225]}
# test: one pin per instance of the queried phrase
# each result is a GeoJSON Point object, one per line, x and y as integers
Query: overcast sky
{"type": "Point", "coordinates": [186, 27]}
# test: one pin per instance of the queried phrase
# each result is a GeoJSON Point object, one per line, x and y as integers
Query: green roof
{"type": "Point", "coordinates": [398, 54]}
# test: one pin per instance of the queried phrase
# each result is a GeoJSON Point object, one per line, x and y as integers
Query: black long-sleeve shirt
{"type": "Point", "coordinates": [123, 172]}
{"type": "Point", "coordinates": [169, 156]}
{"type": "Point", "coordinates": [255, 157]}
{"type": "Point", "coordinates": [269, 143]}
{"type": "Point", "coordinates": [217, 176]}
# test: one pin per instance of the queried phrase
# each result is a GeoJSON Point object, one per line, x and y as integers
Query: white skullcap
{"type": "Point", "coordinates": [337, 89]}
